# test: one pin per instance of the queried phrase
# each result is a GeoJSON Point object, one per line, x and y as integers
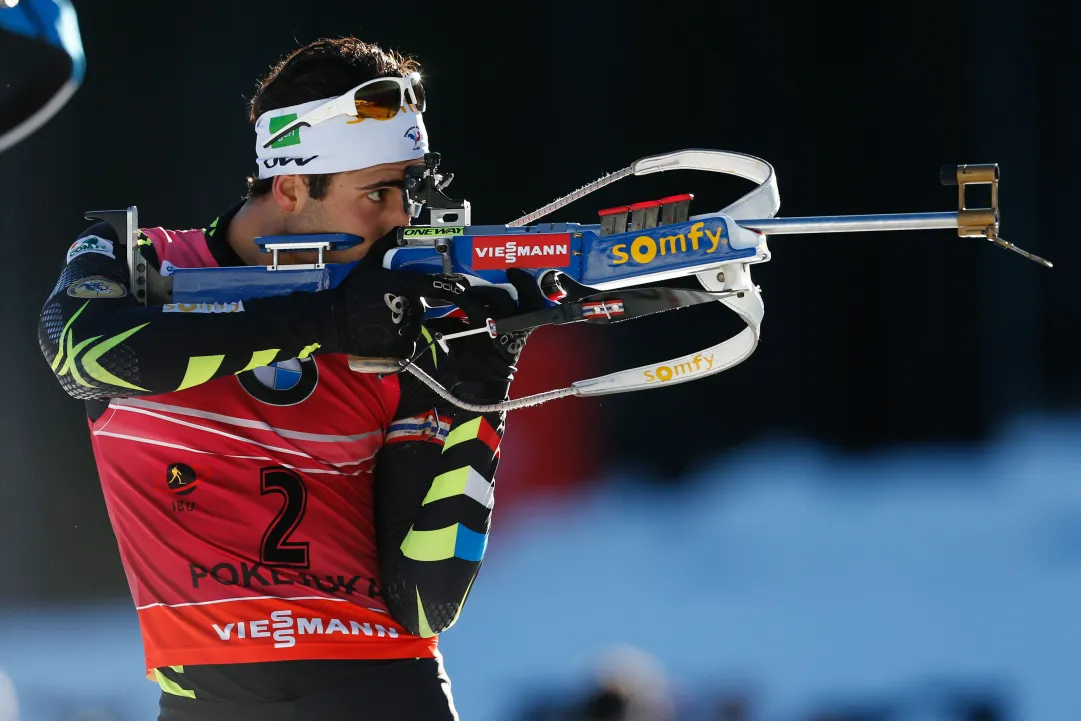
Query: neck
{"type": "Point", "coordinates": [250, 222]}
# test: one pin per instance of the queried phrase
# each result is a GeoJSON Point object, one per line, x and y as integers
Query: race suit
{"type": "Point", "coordinates": [273, 509]}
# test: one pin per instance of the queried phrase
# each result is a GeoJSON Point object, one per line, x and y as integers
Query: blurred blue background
{"type": "Point", "coordinates": [781, 582]}
{"type": "Point", "coordinates": [877, 517]}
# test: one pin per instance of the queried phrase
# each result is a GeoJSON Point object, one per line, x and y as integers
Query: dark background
{"type": "Point", "coordinates": [869, 340]}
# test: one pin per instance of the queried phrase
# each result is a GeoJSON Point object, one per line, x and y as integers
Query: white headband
{"type": "Point", "coordinates": [339, 144]}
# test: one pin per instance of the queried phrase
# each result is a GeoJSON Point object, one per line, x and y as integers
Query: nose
{"type": "Point", "coordinates": [398, 214]}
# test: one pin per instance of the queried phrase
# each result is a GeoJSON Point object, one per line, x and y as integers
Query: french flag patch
{"type": "Point", "coordinates": [602, 308]}
{"type": "Point", "coordinates": [430, 427]}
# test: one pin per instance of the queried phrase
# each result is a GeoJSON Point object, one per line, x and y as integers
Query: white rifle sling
{"type": "Point", "coordinates": [745, 300]}
{"type": "Point", "coordinates": [742, 296]}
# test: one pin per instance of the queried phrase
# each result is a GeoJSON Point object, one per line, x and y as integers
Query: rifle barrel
{"type": "Point", "coordinates": [851, 223]}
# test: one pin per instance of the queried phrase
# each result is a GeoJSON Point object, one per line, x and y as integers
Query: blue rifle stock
{"type": "Point", "coordinates": [615, 266]}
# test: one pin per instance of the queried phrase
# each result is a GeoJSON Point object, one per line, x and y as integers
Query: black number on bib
{"type": "Point", "coordinates": [277, 549]}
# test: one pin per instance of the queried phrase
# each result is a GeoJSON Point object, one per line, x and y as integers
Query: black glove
{"type": "Point", "coordinates": [378, 312]}
{"type": "Point", "coordinates": [484, 366]}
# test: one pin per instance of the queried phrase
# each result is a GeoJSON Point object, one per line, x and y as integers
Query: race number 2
{"type": "Point", "coordinates": [276, 548]}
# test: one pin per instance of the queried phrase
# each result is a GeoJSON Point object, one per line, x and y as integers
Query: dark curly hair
{"type": "Point", "coordinates": [322, 69]}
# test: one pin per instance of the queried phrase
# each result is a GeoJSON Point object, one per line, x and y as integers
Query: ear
{"type": "Point", "coordinates": [290, 193]}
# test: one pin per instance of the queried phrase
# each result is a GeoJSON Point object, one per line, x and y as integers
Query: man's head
{"type": "Point", "coordinates": [365, 201]}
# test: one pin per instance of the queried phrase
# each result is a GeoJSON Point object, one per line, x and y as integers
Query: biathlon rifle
{"type": "Point", "coordinates": [634, 245]}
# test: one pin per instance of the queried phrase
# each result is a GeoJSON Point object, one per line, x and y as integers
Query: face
{"type": "Point", "coordinates": [365, 202]}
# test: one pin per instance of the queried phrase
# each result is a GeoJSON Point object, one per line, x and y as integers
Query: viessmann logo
{"type": "Point", "coordinates": [284, 629]}
{"type": "Point", "coordinates": [542, 250]}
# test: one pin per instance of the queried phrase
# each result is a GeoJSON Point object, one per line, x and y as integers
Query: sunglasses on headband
{"type": "Point", "coordinates": [379, 99]}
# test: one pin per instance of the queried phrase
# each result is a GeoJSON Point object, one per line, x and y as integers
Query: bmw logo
{"type": "Point", "coordinates": [284, 383]}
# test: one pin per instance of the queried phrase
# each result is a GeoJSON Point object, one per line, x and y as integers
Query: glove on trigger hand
{"type": "Point", "coordinates": [484, 366]}
{"type": "Point", "coordinates": [378, 312]}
